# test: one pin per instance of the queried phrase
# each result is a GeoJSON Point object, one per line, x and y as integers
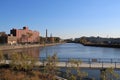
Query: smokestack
{"type": "Point", "coordinates": [46, 35]}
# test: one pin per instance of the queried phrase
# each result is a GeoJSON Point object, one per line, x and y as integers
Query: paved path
{"type": "Point", "coordinates": [93, 65]}
{"type": "Point", "coordinates": [85, 65]}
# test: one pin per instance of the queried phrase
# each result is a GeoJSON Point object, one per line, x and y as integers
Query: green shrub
{"type": "Point", "coordinates": [21, 61]}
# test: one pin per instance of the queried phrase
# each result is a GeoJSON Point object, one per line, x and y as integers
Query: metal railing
{"type": "Point", "coordinates": [91, 62]}
{"type": "Point", "coordinates": [98, 60]}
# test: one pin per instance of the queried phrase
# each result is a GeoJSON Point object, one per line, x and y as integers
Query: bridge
{"type": "Point", "coordinates": [93, 63]}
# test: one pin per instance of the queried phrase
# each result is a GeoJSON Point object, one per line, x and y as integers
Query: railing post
{"type": "Point", "coordinates": [89, 63]}
{"type": "Point", "coordinates": [66, 64]}
{"type": "Point", "coordinates": [67, 61]}
{"type": "Point", "coordinates": [102, 64]}
{"type": "Point", "coordinates": [43, 63]}
{"type": "Point", "coordinates": [99, 60]}
{"type": "Point", "coordinates": [115, 64]}
{"type": "Point", "coordinates": [111, 61]}
{"type": "Point", "coordinates": [89, 60]}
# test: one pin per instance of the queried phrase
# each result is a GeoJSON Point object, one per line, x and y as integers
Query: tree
{"type": "Point", "coordinates": [21, 68]}
{"type": "Point", "coordinates": [2, 59]}
{"type": "Point", "coordinates": [21, 61]}
{"type": "Point", "coordinates": [51, 67]}
{"type": "Point", "coordinates": [109, 74]}
{"type": "Point", "coordinates": [75, 66]}
{"type": "Point", "coordinates": [83, 40]}
{"type": "Point", "coordinates": [56, 39]}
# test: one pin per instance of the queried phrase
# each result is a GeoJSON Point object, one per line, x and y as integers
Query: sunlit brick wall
{"type": "Point", "coordinates": [25, 35]}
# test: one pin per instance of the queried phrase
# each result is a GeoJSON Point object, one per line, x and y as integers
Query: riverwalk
{"type": "Point", "coordinates": [98, 63]}
{"type": "Point", "coordinates": [84, 64]}
{"type": "Point", "coordinates": [19, 46]}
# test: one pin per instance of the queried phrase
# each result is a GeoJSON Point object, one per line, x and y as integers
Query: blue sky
{"type": "Point", "coordinates": [63, 18]}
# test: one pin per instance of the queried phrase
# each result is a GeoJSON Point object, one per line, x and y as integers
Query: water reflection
{"type": "Point", "coordinates": [69, 50]}
{"type": "Point", "coordinates": [30, 51]}
{"type": "Point", "coordinates": [72, 50]}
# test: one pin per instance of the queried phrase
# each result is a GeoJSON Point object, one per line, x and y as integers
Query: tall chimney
{"type": "Point", "coordinates": [46, 36]}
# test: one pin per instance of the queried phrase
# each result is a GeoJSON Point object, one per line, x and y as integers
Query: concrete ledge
{"type": "Point", "coordinates": [8, 47]}
{"type": "Point", "coordinates": [60, 78]}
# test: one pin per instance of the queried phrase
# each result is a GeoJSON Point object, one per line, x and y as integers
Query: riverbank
{"type": "Point", "coordinates": [103, 45]}
{"type": "Point", "coordinates": [19, 46]}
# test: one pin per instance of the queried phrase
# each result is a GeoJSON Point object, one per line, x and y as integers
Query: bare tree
{"type": "Point", "coordinates": [109, 74]}
{"type": "Point", "coordinates": [75, 66]}
{"type": "Point", "coordinates": [22, 61]}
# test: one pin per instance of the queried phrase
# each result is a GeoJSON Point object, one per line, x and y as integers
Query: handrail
{"type": "Point", "coordinates": [88, 62]}
{"type": "Point", "coordinates": [97, 60]}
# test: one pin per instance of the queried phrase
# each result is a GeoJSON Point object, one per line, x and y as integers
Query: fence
{"type": "Point", "coordinates": [89, 62]}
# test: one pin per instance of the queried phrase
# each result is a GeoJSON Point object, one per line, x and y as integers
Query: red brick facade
{"type": "Point", "coordinates": [25, 35]}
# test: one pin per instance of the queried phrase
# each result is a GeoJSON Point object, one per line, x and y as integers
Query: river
{"type": "Point", "coordinates": [72, 50]}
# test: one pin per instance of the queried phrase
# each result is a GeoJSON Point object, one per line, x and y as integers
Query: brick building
{"type": "Point", "coordinates": [25, 35]}
{"type": "Point", "coordinates": [50, 39]}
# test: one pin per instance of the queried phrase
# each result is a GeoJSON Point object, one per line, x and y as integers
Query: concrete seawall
{"type": "Point", "coordinates": [8, 47]}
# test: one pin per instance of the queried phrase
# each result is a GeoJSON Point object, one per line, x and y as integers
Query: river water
{"type": "Point", "coordinates": [72, 50]}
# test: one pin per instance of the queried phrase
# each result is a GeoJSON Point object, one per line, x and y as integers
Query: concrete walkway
{"type": "Point", "coordinates": [93, 65]}
{"type": "Point", "coordinates": [85, 65]}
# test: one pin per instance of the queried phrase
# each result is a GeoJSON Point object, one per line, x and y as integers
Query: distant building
{"type": "Point", "coordinates": [57, 39]}
{"type": "Point", "coordinates": [7, 39]}
{"type": "Point", "coordinates": [42, 40]}
{"type": "Point", "coordinates": [11, 39]}
{"type": "Point", "coordinates": [25, 35]}
{"type": "Point", "coordinates": [51, 39]}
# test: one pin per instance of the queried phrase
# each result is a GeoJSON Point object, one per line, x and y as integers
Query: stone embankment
{"type": "Point", "coordinates": [19, 46]}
